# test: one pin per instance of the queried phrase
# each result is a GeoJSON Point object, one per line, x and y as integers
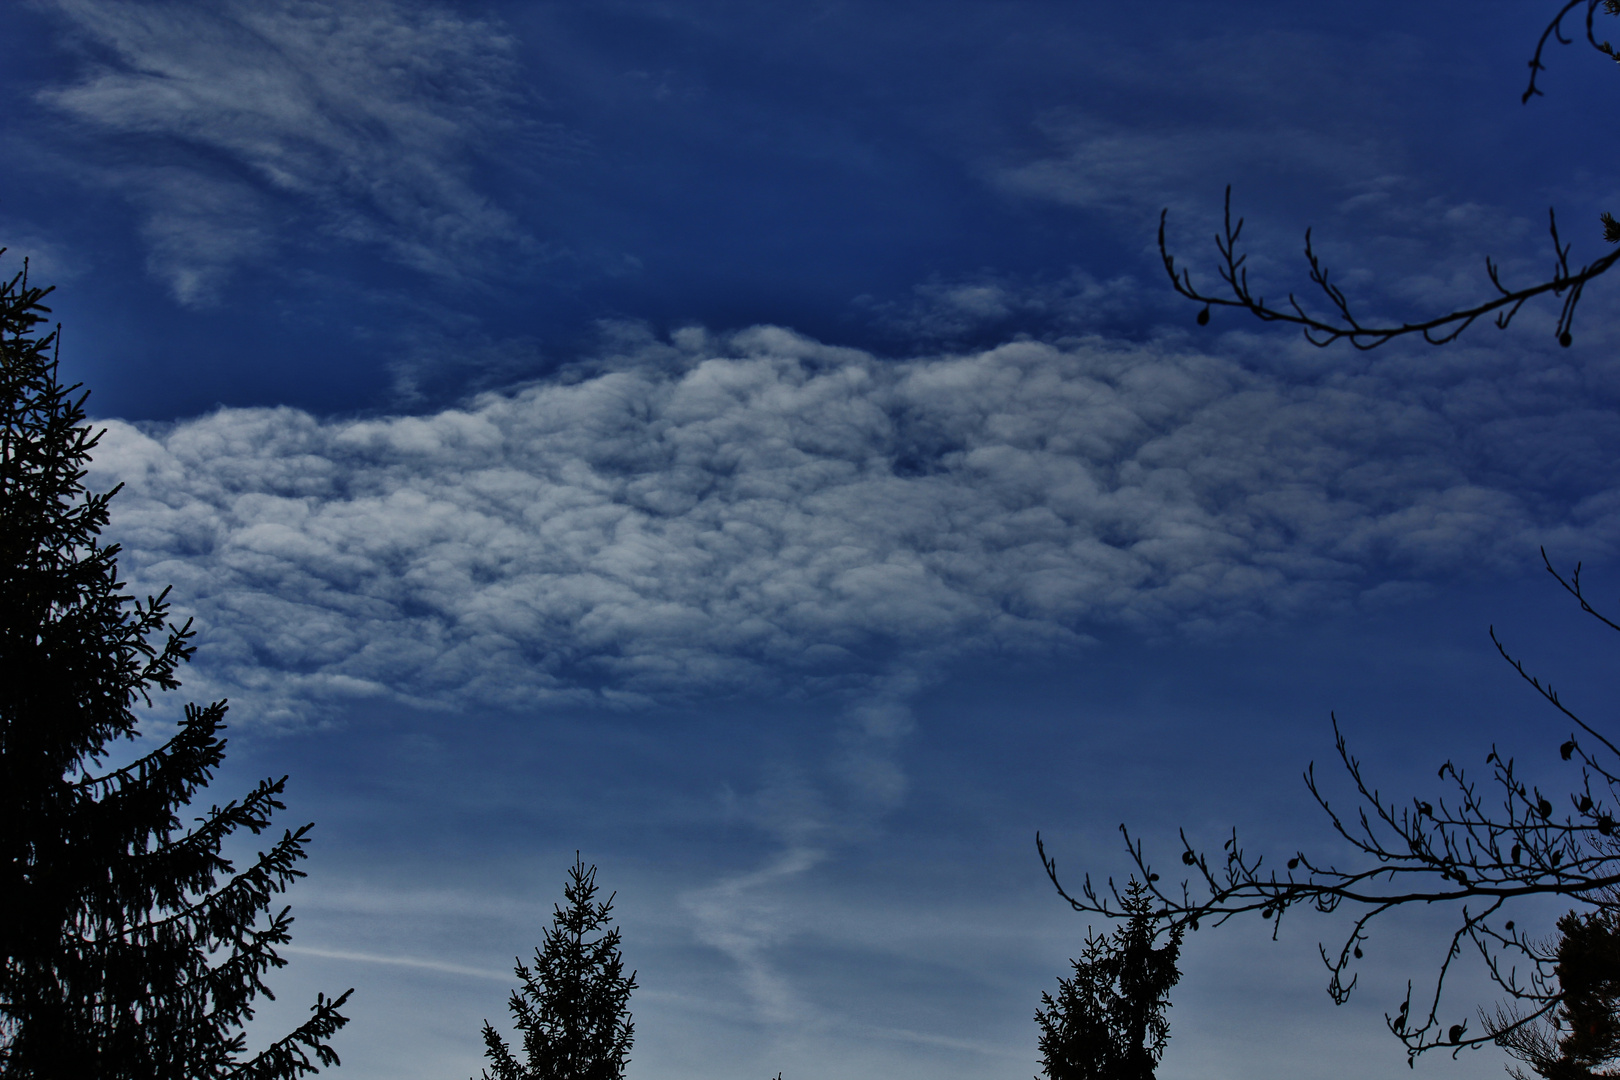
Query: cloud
{"type": "Point", "coordinates": [238, 118]}
{"type": "Point", "coordinates": [745, 917]}
{"type": "Point", "coordinates": [762, 512]}
{"type": "Point", "coordinates": [400, 961]}
{"type": "Point", "coordinates": [1102, 165]}
{"type": "Point", "coordinates": [48, 260]}
{"type": "Point", "coordinates": [198, 229]}
{"type": "Point", "coordinates": [1171, 127]}
{"type": "Point", "coordinates": [990, 307]}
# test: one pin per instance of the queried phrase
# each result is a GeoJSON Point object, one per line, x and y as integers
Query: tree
{"type": "Point", "coordinates": [1107, 1022]}
{"type": "Point", "coordinates": [1583, 1033]}
{"type": "Point", "coordinates": [125, 955]}
{"type": "Point", "coordinates": [1342, 324]}
{"type": "Point", "coordinates": [1478, 852]}
{"type": "Point", "coordinates": [572, 1009]}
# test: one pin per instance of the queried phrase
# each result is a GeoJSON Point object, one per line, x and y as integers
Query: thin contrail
{"type": "Point", "coordinates": [400, 961]}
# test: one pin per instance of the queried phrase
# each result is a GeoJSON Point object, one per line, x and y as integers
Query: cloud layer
{"type": "Point", "coordinates": [764, 510]}
{"type": "Point", "coordinates": [239, 119]}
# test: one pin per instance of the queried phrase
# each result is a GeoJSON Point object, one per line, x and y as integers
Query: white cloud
{"type": "Point", "coordinates": [400, 961]}
{"type": "Point", "coordinates": [243, 115]}
{"type": "Point", "coordinates": [764, 511]}
{"type": "Point", "coordinates": [745, 917]}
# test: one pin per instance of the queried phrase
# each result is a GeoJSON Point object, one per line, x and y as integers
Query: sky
{"type": "Point", "coordinates": [756, 446]}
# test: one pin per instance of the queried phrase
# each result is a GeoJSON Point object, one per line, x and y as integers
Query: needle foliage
{"type": "Point", "coordinates": [572, 1009]}
{"type": "Point", "coordinates": [132, 947]}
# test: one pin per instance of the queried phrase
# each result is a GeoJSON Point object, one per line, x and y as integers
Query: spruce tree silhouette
{"type": "Point", "coordinates": [572, 1009]}
{"type": "Point", "coordinates": [1107, 1022]}
{"type": "Point", "coordinates": [124, 955]}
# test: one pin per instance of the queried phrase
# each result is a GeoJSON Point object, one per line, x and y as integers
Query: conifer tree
{"type": "Point", "coordinates": [1107, 1022]}
{"type": "Point", "coordinates": [131, 947]}
{"type": "Point", "coordinates": [1580, 1039]}
{"type": "Point", "coordinates": [572, 1010]}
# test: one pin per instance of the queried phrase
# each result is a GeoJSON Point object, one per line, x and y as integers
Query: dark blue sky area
{"type": "Point", "coordinates": [728, 165]}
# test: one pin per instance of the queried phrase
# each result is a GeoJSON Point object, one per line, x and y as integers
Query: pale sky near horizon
{"type": "Point", "coordinates": [756, 446]}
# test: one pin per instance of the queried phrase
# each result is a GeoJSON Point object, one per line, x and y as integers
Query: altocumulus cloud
{"type": "Point", "coordinates": [763, 511]}
{"type": "Point", "coordinates": [240, 118]}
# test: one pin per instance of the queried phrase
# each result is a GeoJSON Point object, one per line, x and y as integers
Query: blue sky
{"type": "Point", "coordinates": [756, 446]}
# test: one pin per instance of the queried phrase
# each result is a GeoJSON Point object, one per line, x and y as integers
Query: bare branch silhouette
{"type": "Point", "coordinates": [1341, 322]}
{"type": "Point", "coordinates": [1476, 852]}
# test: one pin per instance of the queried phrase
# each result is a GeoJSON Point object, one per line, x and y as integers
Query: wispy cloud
{"type": "Point", "coordinates": [1101, 165]}
{"type": "Point", "coordinates": [399, 961]}
{"type": "Point", "coordinates": [763, 511]}
{"type": "Point", "coordinates": [244, 122]}
{"type": "Point", "coordinates": [48, 260]}
{"type": "Point", "coordinates": [744, 916]}
{"type": "Point", "coordinates": [988, 306]}
{"type": "Point", "coordinates": [1164, 129]}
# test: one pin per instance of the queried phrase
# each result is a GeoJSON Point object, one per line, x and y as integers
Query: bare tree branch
{"type": "Point", "coordinates": [1476, 852]}
{"type": "Point", "coordinates": [1342, 324]}
{"type": "Point", "coordinates": [1555, 31]}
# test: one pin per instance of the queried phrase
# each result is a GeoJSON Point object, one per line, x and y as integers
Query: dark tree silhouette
{"type": "Point", "coordinates": [124, 954]}
{"type": "Point", "coordinates": [1582, 1034]}
{"type": "Point", "coordinates": [1107, 1022]}
{"type": "Point", "coordinates": [572, 1009]}
{"type": "Point", "coordinates": [1342, 324]}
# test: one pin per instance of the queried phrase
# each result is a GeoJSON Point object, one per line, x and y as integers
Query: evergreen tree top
{"type": "Point", "coordinates": [131, 947]}
{"type": "Point", "coordinates": [572, 1010]}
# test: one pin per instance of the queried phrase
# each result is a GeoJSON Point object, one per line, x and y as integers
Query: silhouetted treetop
{"type": "Point", "coordinates": [131, 946]}
{"type": "Point", "coordinates": [1107, 1021]}
{"type": "Point", "coordinates": [572, 1009]}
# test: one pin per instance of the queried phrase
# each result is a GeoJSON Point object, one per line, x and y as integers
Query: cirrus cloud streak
{"type": "Point", "coordinates": [237, 120]}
